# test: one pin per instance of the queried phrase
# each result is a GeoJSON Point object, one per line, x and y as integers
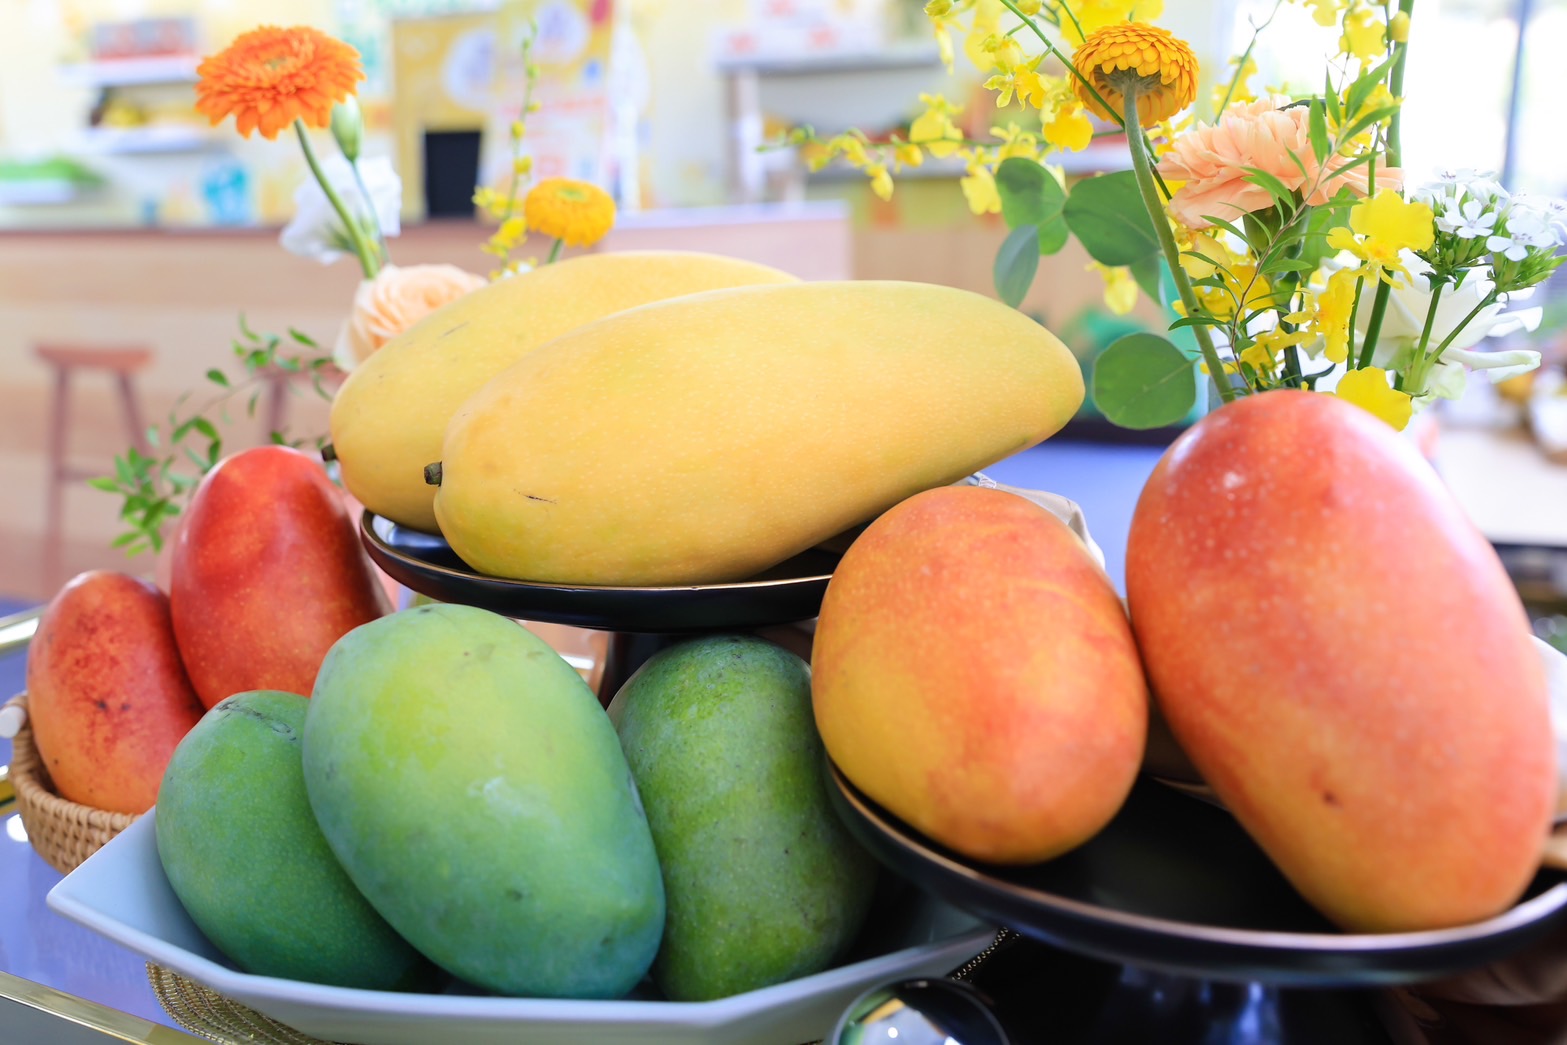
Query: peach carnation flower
{"type": "Point", "coordinates": [395, 300]}
{"type": "Point", "coordinates": [1212, 161]}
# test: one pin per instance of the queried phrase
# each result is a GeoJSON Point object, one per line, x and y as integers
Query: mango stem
{"type": "Point", "coordinates": [432, 474]}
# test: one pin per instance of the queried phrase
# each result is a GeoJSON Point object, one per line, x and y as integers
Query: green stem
{"type": "Point", "coordinates": [1392, 151]}
{"type": "Point", "coordinates": [1172, 255]}
{"type": "Point", "coordinates": [555, 251]}
{"type": "Point", "coordinates": [1396, 87]}
{"type": "Point", "coordinates": [1256, 33]}
{"type": "Point", "coordinates": [356, 235]}
{"type": "Point", "coordinates": [1418, 366]}
{"type": "Point", "coordinates": [1066, 60]}
{"type": "Point", "coordinates": [375, 220]}
{"type": "Point", "coordinates": [1490, 299]}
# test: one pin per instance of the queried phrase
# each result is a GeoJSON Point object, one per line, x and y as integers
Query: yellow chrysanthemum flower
{"type": "Point", "coordinates": [578, 213]}
{"type": "Point", "coordinates": [1114, 57]}
{"type": "Point", "coordinates": [1368, 389]}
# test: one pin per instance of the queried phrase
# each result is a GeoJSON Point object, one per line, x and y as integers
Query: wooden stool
{"type": "Point", "coordinates": [120, 361]}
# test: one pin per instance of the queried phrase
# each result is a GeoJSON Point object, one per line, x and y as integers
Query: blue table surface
{"type": "Point", "coordinates": [39, 945]}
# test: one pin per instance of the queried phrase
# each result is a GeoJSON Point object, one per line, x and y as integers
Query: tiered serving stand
{"type": "Point", "coordinates": [1179, 926]}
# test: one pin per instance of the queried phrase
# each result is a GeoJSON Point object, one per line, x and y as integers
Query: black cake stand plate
{"type": "Point", "coordinates": [1175, 895]}
{"type": "Point", "coordinates": [641, 620]}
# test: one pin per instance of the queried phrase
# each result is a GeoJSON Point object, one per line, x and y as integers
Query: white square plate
{"type": "Point", "coordinates": [121, 892]}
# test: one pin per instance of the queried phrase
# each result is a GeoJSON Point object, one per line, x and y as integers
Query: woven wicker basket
{"type": "Point", "coordinates": [63, 832]}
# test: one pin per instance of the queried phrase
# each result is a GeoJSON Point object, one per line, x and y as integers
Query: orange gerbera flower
{"type": "Point", "coordinates": [270, 77]}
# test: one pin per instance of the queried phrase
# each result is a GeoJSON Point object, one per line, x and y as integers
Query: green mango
{"type": "Point", "coordinates": [243, 853]}
{"type": "Point", "coordinates": [763, 882]}
{"type": "Point", "coordinates": [473, 788]}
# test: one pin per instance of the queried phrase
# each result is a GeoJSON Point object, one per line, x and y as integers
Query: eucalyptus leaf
{"type": "Point", "coordinates": [1106, 215]}
{"type": "Point", "coordinates": [1030, 195]}
{"type": "Point", "coordinates": [1148, 273]}
{"type": "Point", "coordinates": [1016, 263]}
{"type": "Point", "coordinates": [1144, 381]}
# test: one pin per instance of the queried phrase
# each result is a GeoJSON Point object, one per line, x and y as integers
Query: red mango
{"type": "Point", "coordinates": [267, 573]}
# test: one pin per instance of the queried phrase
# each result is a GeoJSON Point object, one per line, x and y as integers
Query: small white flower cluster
{"type": "Point", "coordinates": [1472, 205]}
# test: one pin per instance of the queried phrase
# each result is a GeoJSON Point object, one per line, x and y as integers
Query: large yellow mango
{"type": "Point", "coordinates": [388, 418]}
{"type": "Point", "coordinates": [706, 438]}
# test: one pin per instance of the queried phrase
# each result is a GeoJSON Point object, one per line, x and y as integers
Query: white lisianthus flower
{"type": "Point", "coordinates": [316, 232]}
{"type": "Point", "coordinates": [1405, 319]}
{"type": "Point", "coordinates": [1411, 299]}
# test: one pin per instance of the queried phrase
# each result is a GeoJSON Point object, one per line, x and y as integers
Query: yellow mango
{"type": "Point", "coordinates": [706, 438]}
{"type": "Point", "coordinates": [388, 418]}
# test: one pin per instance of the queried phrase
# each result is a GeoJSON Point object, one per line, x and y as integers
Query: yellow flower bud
{"type": "Point", "coordinates": [1398, 28]}
{"type": "Point", "coordinates": [1029, 8]}
{"type": "Point", "coordinates": [518, 129]}
{"type": "Point", "coordinates": [938, 8]}
{"type": "Point", "coordinates": [522, 165]}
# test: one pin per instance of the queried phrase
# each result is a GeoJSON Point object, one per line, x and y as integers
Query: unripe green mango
{"type": "Point", "coordinates": [474, 790]}
{"type": "Point", "coordinates": [242, 851]}
{"type": "Point", "coordinates": [390, 415]}
{"type": "Point", "coordinates": [763, 882]}
{"type": "Point", "coordinates": [706, 438]}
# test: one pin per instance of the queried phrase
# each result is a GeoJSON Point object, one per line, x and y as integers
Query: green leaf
{"type": "Point", "coordinates": [1374, 116]}
{"type": "Point", "coordinates": [218, 377]}
{"type": "Point", "coordinates": [1330, 96]}
{"type": "Point", "coordinates": [105, 484]}
{"type": "Point", "coordinates": [1030, 195]}
{"type": "Point", "coordinates": [1147, 272]}
{"type": "Point", "coordinates": [1288, 265]}
{"type": "Point", "coordinates": [1317, 126]}
{"type": "Point", "coordinates": [125, 538]}
{"type": "Point", "coordinates": [1016, 263]}
{"type": "Point", "coordinates": [122, 468]}
{"type": "Point", "coordinates": [1280, 192]}
{"type": "Point", "coordinates": [1106, 215]}
{"type": "Point", "coordinates": [244, 328]}
{"type": "Point", "coordinates": [205, 427]}
{"type": "Point", "coordinates": [1196, 321]}
{"type": "Point", "coordinates": [1144, 381]}
{"type": "Point", "coordinates": [302, 338]}
{"type": "Point", "coordinates": [1361, 89]}
{"type": "Point", "coordinates": [1232, 229]}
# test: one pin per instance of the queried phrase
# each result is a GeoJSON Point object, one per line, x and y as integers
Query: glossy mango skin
{"type": "Point", "coordinates": [241, 849]}
{"type": "Point", "coordinates": [764, 883]}
{"type": "Point", "coordinates": [706, 438]}
{"type": "Point", "coordinates": [474, 790]}
{"type": "Point", "coordinates": [974, 672]}
{"type": "Point", "coordinates": [108, 697]}
{"type": "Point", "coordinates": [389, 417]}
{"type": "Point", "coordinates": [1345, 660]}
{"type": "Point", "coordinates": [267, 573]}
